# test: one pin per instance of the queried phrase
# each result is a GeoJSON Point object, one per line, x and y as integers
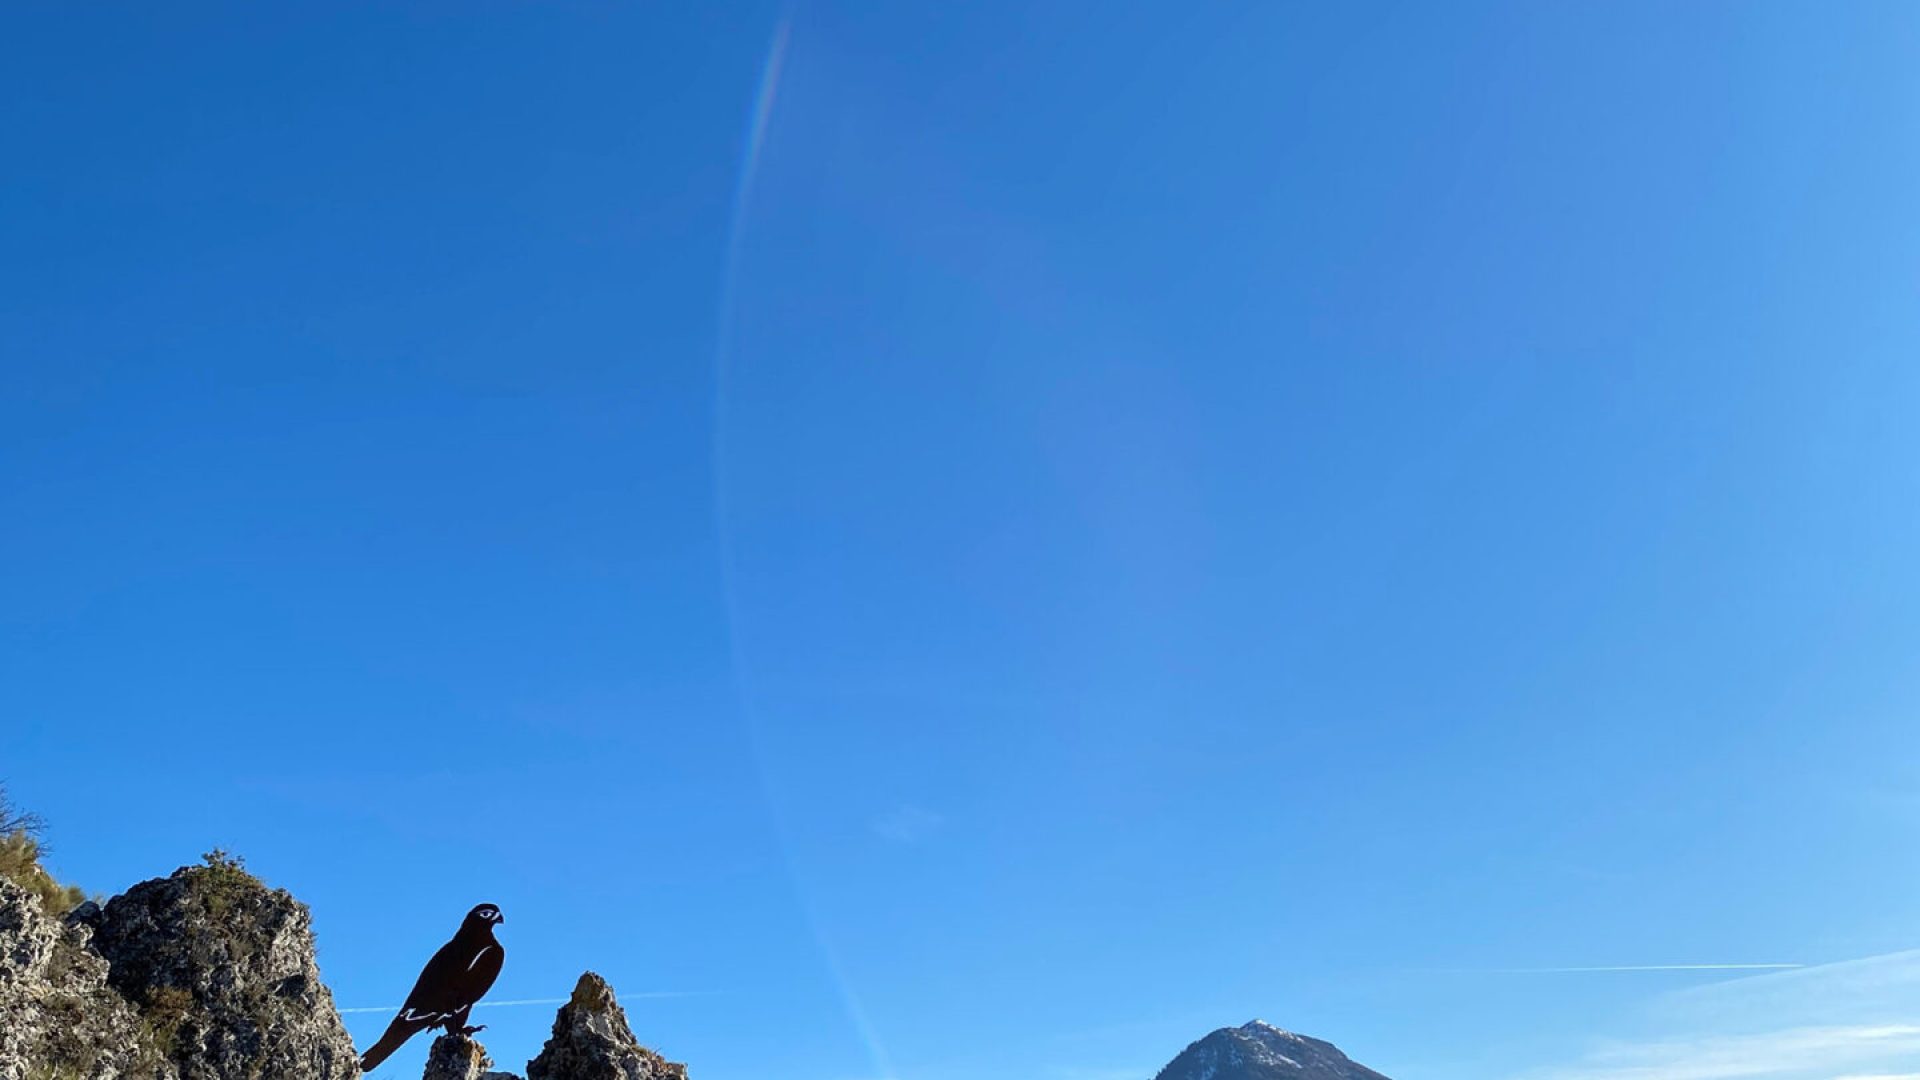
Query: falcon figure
{"type": "Point", "coordinates": [457, 976]}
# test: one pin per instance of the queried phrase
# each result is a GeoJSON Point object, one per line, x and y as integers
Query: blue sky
{"type": "Point", "coordinates": [947, 540]}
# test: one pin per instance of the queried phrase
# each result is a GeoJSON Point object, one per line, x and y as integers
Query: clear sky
{"type": "Point", "coordinates": [989, 539]}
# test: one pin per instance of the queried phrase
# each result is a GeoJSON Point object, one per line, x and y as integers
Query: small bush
{"type": "Point", "coordinates": [20, 852]}
{"type": "Point", "coordinates": [165, 1009]}
{"type": "Point", "coordinates": [222, 881]}
{"type": "Point", "coordinates": [20, 864]}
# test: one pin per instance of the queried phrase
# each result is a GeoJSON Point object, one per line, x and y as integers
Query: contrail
{"type": "Point", "coordinates": [544, 1001]}
{"type": "Point", "coordinates": [480, 1005]}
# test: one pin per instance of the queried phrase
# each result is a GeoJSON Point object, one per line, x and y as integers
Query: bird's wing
{"type": "Point", "coordinates": [441, 991]}
{"type": "Point", "coordinates": [437, 991]}
{"type": "Point", "coordinates": [480, 973]}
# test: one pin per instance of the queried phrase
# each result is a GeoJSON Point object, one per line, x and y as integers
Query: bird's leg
{"type": "Point", "coordinates": [457, 1023]}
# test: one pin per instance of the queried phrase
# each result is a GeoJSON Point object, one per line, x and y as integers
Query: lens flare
{"type": "Point", "coordinates": [752, 144]}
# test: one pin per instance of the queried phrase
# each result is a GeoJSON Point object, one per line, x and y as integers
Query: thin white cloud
{"type": "Point", "coordinates": [1874, 989]}
{"type": "Point", "coordinates": [1645, 967]}
{"type": "Point", "coordinates": [1847, 1021]}
{"type": "Point", "coordinates": [907, 824]}
{"type": "Point", "coordinates": [1797, 1053]}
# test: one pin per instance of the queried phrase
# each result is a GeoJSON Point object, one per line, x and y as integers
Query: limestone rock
{"type": "Point", "coordinates": [457, 1057]}
{"type": "Point", "coordinates": [58, 1016]}
{"type": "Point", "coordinates": [222, 970]}
{"type": "Point", "coordinates": [591, 1041]}
{"type": "Point", "coordinates": [210, 975]}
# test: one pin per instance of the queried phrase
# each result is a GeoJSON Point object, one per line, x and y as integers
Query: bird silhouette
{"type": "Point", "coordinates": [457, 976]}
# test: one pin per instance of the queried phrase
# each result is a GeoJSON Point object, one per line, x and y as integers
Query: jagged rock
{"type": "Point", "coordinates": [58, 1016]}
{"type": "Point", "coordinates": [1260, 1051]}
{"type": "Point", "coordinates": [222, 970]}
{"type": "Point", "coordinates": [457, 1057]}
{"type": "Point", "coordinates": [210, 975]}
{"type": "Point", "coordinates": [591, 1041]}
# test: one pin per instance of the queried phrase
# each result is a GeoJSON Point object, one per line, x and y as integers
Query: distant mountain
{"type": "Point", "coordinates": [1260, 1051]}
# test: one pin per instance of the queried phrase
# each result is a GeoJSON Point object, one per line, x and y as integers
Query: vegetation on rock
{"type": "Point", "coordinates": [209, 974]}
{"type": "Point", "coordinates": [21, 849]}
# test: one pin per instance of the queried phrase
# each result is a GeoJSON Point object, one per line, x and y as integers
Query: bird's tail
{"type": "Point", "coordinates": [397, 1033]}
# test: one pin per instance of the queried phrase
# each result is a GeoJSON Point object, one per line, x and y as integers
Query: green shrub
{"type": "Point", "coordinates": [222, 881]}
{"type": "Point", "coordinates": [164, 1009]}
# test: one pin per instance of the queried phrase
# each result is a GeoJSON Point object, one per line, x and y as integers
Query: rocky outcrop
{"type": "Point", "coordinates": [58, 1016]}
{"type": "Point", "coordinates": [457, 1057]}
{"type": "Point", "coordinates": [221, 969]}
{"type": "Point", "coordinates": [210, 975]}
{"type": "Point", "coordinates": [1260, 1051]}
{"type": "Point", "coordinates": [591, 1041]}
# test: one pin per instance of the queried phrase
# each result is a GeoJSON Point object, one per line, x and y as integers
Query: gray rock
{"type": "Point", "coordinates": [457, 1057]}
{"type": "Point", "coordinates": [1260, 1051]}
{"type": "Point", "coordinates": [58, 1016]}
{"type": "Point", "coordinates": [591, 1041]}
{"type": "Point", "coordinates": [210, 975]}
{"type": "Point", "coordinates": [222, 971]}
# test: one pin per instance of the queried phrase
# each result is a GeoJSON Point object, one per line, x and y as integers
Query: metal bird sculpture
{"type": "Point", "coordinates": [457, 977]}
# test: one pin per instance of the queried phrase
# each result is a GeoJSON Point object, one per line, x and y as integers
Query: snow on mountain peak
{"type": "Point", "coordinates": [1258, 1050]}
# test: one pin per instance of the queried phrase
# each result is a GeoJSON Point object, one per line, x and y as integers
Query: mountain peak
{"type": "Point", "coordinates": [1254, 1027]}
{"type": "Point", "coordinates": [1258, 1050]}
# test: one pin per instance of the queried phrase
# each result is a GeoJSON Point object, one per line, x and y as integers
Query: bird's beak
{"type": "Point", "coordinates": [498, 919]}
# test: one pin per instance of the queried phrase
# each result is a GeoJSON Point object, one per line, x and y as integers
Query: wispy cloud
{"type": "Point", "coordinates": [1614, 968]}
{"type": "Point", "coordinates": [1791, 1052]}
{"type": "Point", "coordinates": [1847, 1021]}
{"type": "Point", "coordinates": [907, 824]}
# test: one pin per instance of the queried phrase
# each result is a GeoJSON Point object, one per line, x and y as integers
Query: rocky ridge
{"type": "Point", "coordinates": [58, 1015]}
{"type": "Point", "coordinates": [222, 969]}
{"type": "Point", "coordinates": [208, 974]}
